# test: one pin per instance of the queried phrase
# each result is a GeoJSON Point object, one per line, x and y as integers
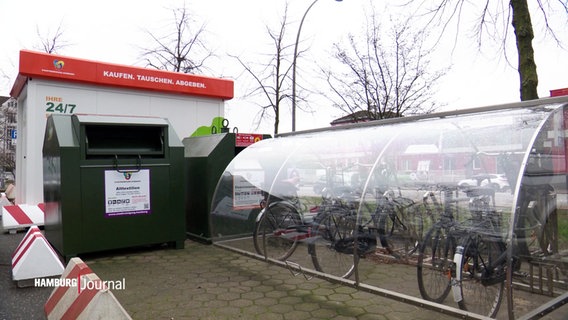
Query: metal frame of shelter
{"type": "Point", "coordinates": [462, 212]}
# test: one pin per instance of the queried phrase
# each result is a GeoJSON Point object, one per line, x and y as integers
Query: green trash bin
{"type": "Point", "coordinates": [112, 182]}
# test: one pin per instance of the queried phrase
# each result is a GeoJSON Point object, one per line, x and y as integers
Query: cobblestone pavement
{"type": "Point", "coordinates": [207, 282]}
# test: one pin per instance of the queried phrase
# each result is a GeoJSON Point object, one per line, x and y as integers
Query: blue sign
{"type": "Point", "coordinates": [14, 134]}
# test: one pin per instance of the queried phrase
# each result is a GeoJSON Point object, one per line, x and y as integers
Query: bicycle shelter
{"type": "Point", "coordinates": [464, 212]}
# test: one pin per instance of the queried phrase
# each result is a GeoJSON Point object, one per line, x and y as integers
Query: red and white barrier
{"type": "Point", "coordinates": [83, 295]}
{"type": "Point", "coordinates": [35, 258]}
{"type": "Point", "coordinates": [22, 216]}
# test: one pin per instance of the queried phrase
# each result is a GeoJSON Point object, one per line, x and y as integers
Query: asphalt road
{"type": "Point", "coordinates": [18, 302]}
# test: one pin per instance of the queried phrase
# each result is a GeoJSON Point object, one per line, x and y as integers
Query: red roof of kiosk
{"type": "Point", "coordinates": [61, 68]}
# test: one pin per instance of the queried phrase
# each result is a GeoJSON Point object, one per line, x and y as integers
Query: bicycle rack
{"type": "Point", "coordinates": [296, 269]}
{"type": "Point", "coordinates": [546, 277]}
{"type": "Point", "coordinates": [538, 283]}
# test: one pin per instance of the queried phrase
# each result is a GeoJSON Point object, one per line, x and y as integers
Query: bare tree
{"type": "Point", "coordinates": [183, 50]}
{"type": "Point", "coordinates": [272, 78]}
{"type": "Point", "coordinates": [7, 127]}
{"type": "Point", "coordinates": [51, 43]}
{"type": "Point", "coordinates": [493, 19]}
{"type": "Point", "coordinates": [387, 74]}
{"type": "Point", "coordinates": [6, 74]}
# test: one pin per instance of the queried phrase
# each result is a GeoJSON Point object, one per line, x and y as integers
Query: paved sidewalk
{"type": "Point", "coordinates": [17, 303]}
{"type": "Point", "coordinates": [209, 282]}
{"type": "Point", "coordinates": [206, 282]}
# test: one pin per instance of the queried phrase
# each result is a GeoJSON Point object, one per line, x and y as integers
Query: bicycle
{"type": "Point", "coordinates": [480, 259]}
{"type": "Point", "coordinates": [335, 238]}
{"type": "Point", "coordinates": [276, 224]}
{"type": "Point", "coordinates": [436, 251]}
{"type": "Point", "coordinates": [396, 221]}
{"type": "Point", "coordinates": [281, 226]}
{"type": "Point", "coordinates": [537, 241]}
{"type": "Point", "coordinates": [399, 223]}
{"type": "Point", "coordinates": [536, 232]}
{"type": "Point", "coordinates": [467, 258]}
{"type": "Point", "coordinates": [333, 231]}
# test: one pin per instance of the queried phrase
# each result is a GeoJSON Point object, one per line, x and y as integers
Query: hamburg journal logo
{"type": "Point", "coordinates": [58, 64]}
{"type": "Point", "coordinates": [82, 282]}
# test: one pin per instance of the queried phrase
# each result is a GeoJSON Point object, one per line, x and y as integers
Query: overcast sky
{"type": "Point", "coordinates": [114, 31]}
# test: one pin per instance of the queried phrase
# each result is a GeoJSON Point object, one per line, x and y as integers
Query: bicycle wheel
{"type": "Point", "coordinates": [275, 234]}
{"type": "Point", "coordinates": [331, 245]}
{"type": "Point", "coordinates": [535, 235]}
{"type": "Point", "coordinates": [482, 276]}
{"type": "Point", "coordinates": [400, 230]}
{"type": "Point", "coordinates": [435, 260]}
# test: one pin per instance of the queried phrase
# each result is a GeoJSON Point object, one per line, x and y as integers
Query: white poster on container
{"type": "Point", "coordinates": [246, 193]}
{"type": "Point", "coordinates": [127, 193]}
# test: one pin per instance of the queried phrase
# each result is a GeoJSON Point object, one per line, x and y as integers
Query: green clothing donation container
{"type": "Point", "coordinates": [112, 182]}
{"type": "Point", "coordinates": [206, 158]}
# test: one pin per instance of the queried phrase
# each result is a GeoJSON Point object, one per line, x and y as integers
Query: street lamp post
{"type": "Point", "coordinates": [294, 64]}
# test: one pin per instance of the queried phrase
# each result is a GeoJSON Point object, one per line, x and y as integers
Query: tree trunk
{"type": "Point", "coordinates": [276, 117]}
{"type": "Point", "coordinates": [524, 35]}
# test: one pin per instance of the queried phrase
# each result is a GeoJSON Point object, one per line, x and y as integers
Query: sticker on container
{"type": "Point", "coordinates": [127, 193]}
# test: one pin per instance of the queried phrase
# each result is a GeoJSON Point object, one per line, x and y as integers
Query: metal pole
{"type": "Point", "coordinates": [294, 66]}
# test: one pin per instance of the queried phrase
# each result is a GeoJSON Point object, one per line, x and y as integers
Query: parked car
{"type": "Point", "coordinates": [496, 181]}
{"type": "Point", "coordinates": [349, 179]}
{"type": "Point", "coordinates": [322, 183]}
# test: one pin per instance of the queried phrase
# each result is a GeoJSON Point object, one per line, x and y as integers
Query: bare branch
{"type": "Point", "coordinates": [495, 22]}
{"type": "Point", "coordinates": [545, 12]}
{"type": "Point", "coordinates": [271, 78]}
{"type": "Point", "coordinates": [386, 75]}
{"type": "Point", "coordinates": [181, 51]}
{"type": "Point", "coordinates": [52, 43]}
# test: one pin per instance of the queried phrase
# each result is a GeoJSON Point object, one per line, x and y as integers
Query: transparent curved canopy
{"type": "Point", "coordinates": [410, 204]}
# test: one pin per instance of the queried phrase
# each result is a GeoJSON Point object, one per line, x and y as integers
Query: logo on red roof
{"type": "Point", "coordinates": [58, 64]}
